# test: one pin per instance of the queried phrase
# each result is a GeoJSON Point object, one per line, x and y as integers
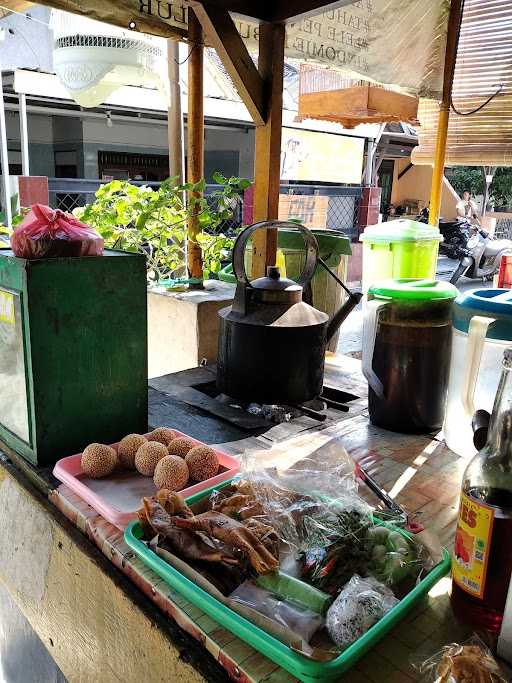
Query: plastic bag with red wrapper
{"type": "Point", "coordinates": [48, 233]}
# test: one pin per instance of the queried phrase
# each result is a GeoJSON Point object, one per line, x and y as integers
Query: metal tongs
{"type": "Point", "coordinates": [413, 527]}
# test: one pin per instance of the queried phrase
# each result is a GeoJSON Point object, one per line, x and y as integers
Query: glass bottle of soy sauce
{"type": "Point", "coordinates": [482, 559]}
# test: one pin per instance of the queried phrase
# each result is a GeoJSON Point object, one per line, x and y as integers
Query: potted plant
{"type": "Point", "coordinates": [154, 221]}
{"type": "Point", "coordinates": [182, 326]}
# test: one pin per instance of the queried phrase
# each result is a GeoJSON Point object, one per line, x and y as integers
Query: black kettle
{"type": "Point", "coordinates": [271, 342]}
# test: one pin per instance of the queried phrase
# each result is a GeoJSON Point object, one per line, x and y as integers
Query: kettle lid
{"type": "Point", "coordinates": [274, 282]}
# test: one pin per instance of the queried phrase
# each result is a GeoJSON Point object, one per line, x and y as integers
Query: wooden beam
{"type": "Point", "coordinates": [267, 161]}
{"type": "Point", "coordinates": [247, 9]}
{"type": "Point", "coordinates": [377, 162]}
{"type": "Point", "coordinates": [406, 170]}
{"type": "Point", "coordinates": [220, 32]}
{"type": "Point", "coordinates": [9, 6]}
{"type": "Point", "coordinates": [276, 11]}
{"type": "Point", "coordinates": [195, 137]}
{"type": "Point", "coordinates": [121, 13]}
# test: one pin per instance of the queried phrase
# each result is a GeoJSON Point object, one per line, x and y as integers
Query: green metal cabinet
{"type": "Point", "coordinates": [73, 352]}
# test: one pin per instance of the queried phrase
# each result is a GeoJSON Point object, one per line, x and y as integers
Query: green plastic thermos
{"type": "Point", "coordinates": [402, 248]}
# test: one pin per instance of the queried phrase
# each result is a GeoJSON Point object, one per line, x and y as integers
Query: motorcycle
{"type": "Point", "coordinates": [478, 253]}
{"type": "Point", "coordinates": [480, 258]}
{"type": "Point", "coordinates": [455, 237]}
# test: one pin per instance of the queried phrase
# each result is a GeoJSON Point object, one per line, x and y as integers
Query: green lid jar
{"type": "Point", "coordinates": [407, 340]}
{"type": "Point", "coordinates": [412, 301]}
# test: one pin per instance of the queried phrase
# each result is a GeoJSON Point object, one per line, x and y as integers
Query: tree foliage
{"type": "Point", "coordinates": [501, 188]}
{"type": "Point", "coordinates": [471, 178]}
{"type": "Point", "coordinates": [465, 178]}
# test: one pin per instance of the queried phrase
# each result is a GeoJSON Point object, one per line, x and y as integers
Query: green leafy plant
{"type": "Point", "coordinates": [154, 222]}
{"type": "Point", "coordinates": [501, 188]}
{"type": "Point", "coordinates": [215, 248]}
{"type": "Point", "coordinates": [17, 217]}
{"type": "Point", "coordinates": [5, 234]}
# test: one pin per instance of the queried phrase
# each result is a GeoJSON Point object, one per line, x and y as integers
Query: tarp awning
{"type": "Point", "coordinates": [483, 68]}
{"type": "Point", "coordinates": [393, 42]}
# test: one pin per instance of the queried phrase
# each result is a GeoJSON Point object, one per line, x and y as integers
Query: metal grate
{"type": "Point", "coordinates": [340, 205]}
{"type": "Point", "coordinates": [68, 194]}
{"type": "Point", "coordinates": [70, 201]}
{"type": "Point", "coordinates": [503, 228]}
{"type": "Point", "coordinates": [230, 226]}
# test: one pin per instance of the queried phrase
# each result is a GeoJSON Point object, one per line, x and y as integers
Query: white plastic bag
{"type": "Point", "coordinates": [360, 605]}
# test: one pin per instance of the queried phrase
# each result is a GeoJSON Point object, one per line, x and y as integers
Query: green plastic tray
{"type": "Point", "coordinates": [305, 669]}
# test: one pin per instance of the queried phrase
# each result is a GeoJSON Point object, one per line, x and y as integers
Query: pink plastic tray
{"type": "Point", "coordinates": [118, 497]}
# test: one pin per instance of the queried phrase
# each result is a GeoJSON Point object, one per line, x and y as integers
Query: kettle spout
{"type": "Point", "coordinates": [339, 317]}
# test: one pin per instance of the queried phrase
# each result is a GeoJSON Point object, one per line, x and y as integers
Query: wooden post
{"type": "Point", "coordinates": [267, 160]}
{"type": "Point", "coordinates": [195, 136]}
{"type": "Point", "coordinates": [452, 42]}
{"type": "Point", "coordinates": [175, 115]}
{"type": "Point", "coordinates": [4, 158]}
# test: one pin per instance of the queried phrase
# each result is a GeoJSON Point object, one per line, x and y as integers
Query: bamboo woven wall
{"type": "Point", "coordinates": [484, 67]}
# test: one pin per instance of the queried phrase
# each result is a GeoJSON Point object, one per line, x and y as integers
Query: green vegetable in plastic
{"type": "Point", "coordinates": [293, 590]}
{"type": "Point", "coordinates": [394, 557]}
{"type": "Point", "coordinates": [379, 553]}
{"type": "Point", "coordinates": [396, 568]}
{"type": "Point", "coordinates": [397, 542]}
{"type": "Point", "coordinates": [378, 534]}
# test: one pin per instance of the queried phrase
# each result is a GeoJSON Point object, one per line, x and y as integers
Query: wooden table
{"type": "Point", "coordinates": [104, 617]}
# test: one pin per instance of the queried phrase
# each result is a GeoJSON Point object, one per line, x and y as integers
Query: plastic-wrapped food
{"type": "Point", "coordinates": [395, 556]}
{"type": "Point", "coordinates": [471, 662]}
{"type": "Point", "coordinates": [360, 604]}
{"type": "Point", "coordinates": [297, 592]}
{"type": "Point", "coordinates": [327, 471]}
{"type": "Point", "coordinates": [368, 549]}
{"type": "Point", "coordinates": [48, 233]}
{"type": "Point", "coordinates": [302, 622]}
{"type": "Point", "coordinates": [318, 518]}
{"type": "Point", "coordinates": [306, 501]}
{"type": "Point", "coordinates": [337, 556]}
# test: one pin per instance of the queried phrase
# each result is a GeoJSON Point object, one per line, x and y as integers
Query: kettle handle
{"type": "Point", "coordinates": [311, 246]}
{"type": "Point", "coordinates": [370, 323]}
{"type": "Point", "coordinates": [477, 332]}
